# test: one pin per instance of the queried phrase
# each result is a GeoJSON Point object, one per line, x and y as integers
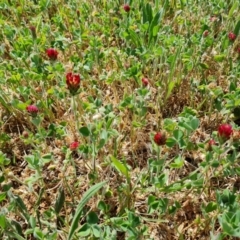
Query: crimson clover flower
{"type": "Point", "coordinates": [145, 82]}
{"type": "Point", "coordinates": [52, 53]}
{"type": "Point", "coordinates": [32, 109]}
{"type": "Point", "coordinates": [225, 131]}
{"type": "Point", "coordinates": [126, 8]}
{"type": "Point", "coordinates": [232, 36]}
{"type": "Point", "coordinates": [160, 138]}
{"type": "Point", "coordinates": [73, 82]}
{"type": "Point", "coordinates": [74, 145]}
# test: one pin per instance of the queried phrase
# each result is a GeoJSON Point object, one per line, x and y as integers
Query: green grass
{"type": "Point", "coordinates": [84, 161]}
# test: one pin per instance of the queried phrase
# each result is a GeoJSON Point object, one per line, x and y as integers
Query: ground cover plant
{"type": "Point", "coordinates": [119, 119]}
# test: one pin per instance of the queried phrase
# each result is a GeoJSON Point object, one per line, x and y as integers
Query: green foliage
{"type": "Point", "coordinates": [85, 198]}
{"type": "Point", "coordinates": [192, 65]}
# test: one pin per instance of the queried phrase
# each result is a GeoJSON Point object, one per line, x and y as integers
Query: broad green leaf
{"type": "Point", "coordinates": [233, 8]}
{"type": "Point", "coordinates": [174, 187]}
{"type": "Point", "coordinates": [84, 131]}
{"type": "Point", "coordinates": [169, 124]}
{"type": "Point", "coordinates": [147, 13]}
{"type": "Point", "coordinates": [85, 230]}
{"type": "Point", "coordinates": [103, 206]}
{"type": "Point", "coordinates": [171, 86]}
{"type": "Point", "coordinates": [47, 156]}
{"type": "Point", "coordinates": [22, 207]}
{"type": "Point", "coordinates": [2, 221]}
{"type": "Point", "coordinates": [171, 142]}
{"type": "Point", "coordinates": [120, 166]}
{"type": "Point", "coordinates": [44, 4]}
{"type": "Point", "coordinates": [14, 235]}
{"type": "Point", "coordinates": [178, 163]}
{"type": "Point", "coordinates": [92, 218]}
{"type": "Point", "coordinates": [204, 65]}
{"type": "Point", "coordinates": [38, 233]}
{"type": "Point", "coordinates": [60, 201]}
{"type": "Point", "coordinates": [211, 207]}
{"type": "Point", "coordinates": [194, 123]}
{"type": "Point", "coordinates": [2, 196]}
{"type": "Point", "coordinates": [155, 22]}
{"type": "Point", "coordinates": [101, 143]}
{"type": "Point", "coordinates": [197, 183]}
{"type": "Point", "coordinates": [5, 104]}
{"type": "Point", "coordinates": [135, 38]}
{"type": "Point", "coordinates": [155, 31]}
{"type": "Point", "coordinates": [32, 221]}
{"type": "Point", "coordinates": [219, 58]}
{"type": "Point", "coordinates": [185, 125]}
{"type": "Point", "coordinates": [226, 226]}
{"type": "Point", "coordinates": [188, 111]}
{"type": "Point", "coordinates": [96, 231]}
{"type": "Point", "coordinates": [171, 81]}
{"type": "Point", "coordinates": [86, 196]}
{"type": "Point", "coordinates": [36, 121]}
{"type": "Point", "coordinates": [17, 227]}
{"type": "Point", "coordinates": [237, 27]}
{"type": "Point", "coordinates": [151, 199]}
{"type": "Point", "coordinates": [178, 134]}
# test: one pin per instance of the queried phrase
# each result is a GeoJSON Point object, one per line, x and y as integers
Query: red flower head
{"type": "Point", "coordinates": [74, 145]}
{"type": "Point", "coordinates": [73, 82]}
{"type": "Point", "coordinates": [126, 8]}
{"type": "Point", "coordinates": [225, 131]}
{"type": "Point", "coordinates": [32, 109]}
{"type": "Point", "coordinates": [232, 36]}
{"type": "Point", "coordinates": [52, 53]}
{"type": "Point", "coordinates": [160, 138]}
{"type": "Point", "coordinates": [145, 82]}
{"type": "Point", "coordinates": [210, 143]}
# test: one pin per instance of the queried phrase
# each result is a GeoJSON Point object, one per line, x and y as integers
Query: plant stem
{"type": "Point", "coordinates": [74, 109]}
{"type": "Point", "coordinates": [158, 159]}
{"type": "Point", "coordinates": [94, 157]}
